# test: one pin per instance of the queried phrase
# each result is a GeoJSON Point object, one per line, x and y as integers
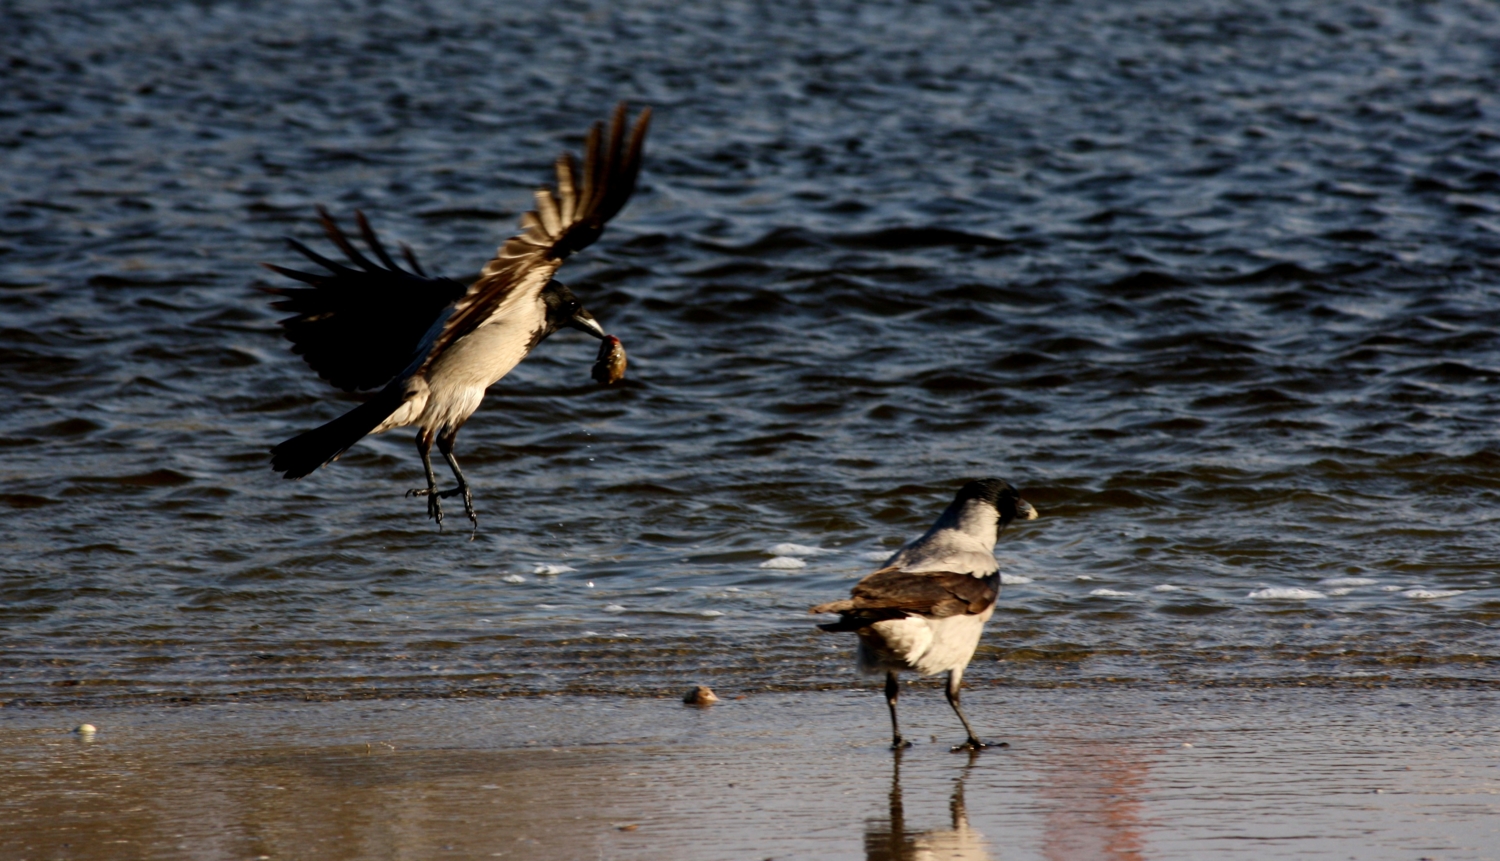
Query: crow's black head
{"type": "Point", "coordinates": [564, 309]}
{"type": "Point", "coordinates": [998, 493]}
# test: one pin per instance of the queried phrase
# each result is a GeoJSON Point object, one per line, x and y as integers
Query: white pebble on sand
{"type": "Point", "coordinates": [784, 563]}
{"type": "Point", "coordinates": [1286, 593]}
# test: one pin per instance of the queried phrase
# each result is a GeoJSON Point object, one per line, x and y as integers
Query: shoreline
{"type": "Point", "coordinates": [386, 693]}
{"type": "Point", "coordinates": [1090, 774]}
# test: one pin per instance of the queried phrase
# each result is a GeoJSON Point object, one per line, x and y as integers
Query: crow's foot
{"type": "Point", "coordinates": [975, 744]}
{"type": "Point", "coordinates": [468, 497]}
{"type": "Point", "coordinates": [434, 506]}
{"type": "Point", "coordinates": [468, 501]}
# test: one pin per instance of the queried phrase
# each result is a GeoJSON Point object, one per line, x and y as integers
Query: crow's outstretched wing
{"type": "Point", "coordinates": [359, 327]}
{"type": "Point", "coordinates": [565, 220]}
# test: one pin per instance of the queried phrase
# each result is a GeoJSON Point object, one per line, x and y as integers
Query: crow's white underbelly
{"type": "Point", "coordinates": [454, 385]}
{"type": "Point", "coordinates": [926, 645]}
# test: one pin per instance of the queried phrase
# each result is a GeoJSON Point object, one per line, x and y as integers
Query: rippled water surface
{"type": "Point", "coordinates": [1214, 284]}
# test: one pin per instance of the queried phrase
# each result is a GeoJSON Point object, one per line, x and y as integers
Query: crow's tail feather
{"type": "Point", "coordinates": [304, 453]}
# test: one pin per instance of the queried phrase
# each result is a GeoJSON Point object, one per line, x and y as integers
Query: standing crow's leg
{"type": "Point", "coordinates": [955, 680]}
{"type": "Point", "coordinates": [445, 445]}
{"type": "Point", "coordinates": [434, 507]}
{"type": "Point", "coordinates": [893, 690]}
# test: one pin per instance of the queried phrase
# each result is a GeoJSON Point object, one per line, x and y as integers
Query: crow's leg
{"type": "Point", "coordinates": [955, 681]}
{"type": "Point", "coordinates": [445, 445]}
{"type": "Point", "coordinates": [892, 691]}
{"type": "Point", "coordinates": [434, 507]}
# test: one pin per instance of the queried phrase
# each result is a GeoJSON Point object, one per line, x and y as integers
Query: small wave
{"type": "Point", "coordinates": [907, 238]}
{"type": "Point", "coordinates": [1110, 593]}
{"type": "Point", "coordinates": [1347, 581]}
{"type": "Point", "coordinates": [614, 608]}
{"type": "Point", "coordinates": [784, 563]}
{"type": "Point", "coordinates": [513, 578]}
{"type": "Point", "coordinates": [797, 550]}
{"type": "Point", "coordinates": [552, 570]}
{"type": "Point", "coordinates": [1014, 580]}
{"type": "Point", "coordinates": [1426, 594]}
{"type": "Point", "coordinates": [1285, 593]}
{"type": "Point", "coordinates": [1166, 587]}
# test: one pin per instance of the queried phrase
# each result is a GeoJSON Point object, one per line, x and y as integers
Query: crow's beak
{"type": "Point", "coordinates": [583, 321]}
{"type": "Point", "coordinates": [1024, 511]}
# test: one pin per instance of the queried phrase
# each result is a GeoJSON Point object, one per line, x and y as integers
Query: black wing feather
{"type": "Point", "coordinates": [359, 328]}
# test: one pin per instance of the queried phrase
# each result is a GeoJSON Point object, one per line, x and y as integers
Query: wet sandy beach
{"type": "Point", "coordinates": [1091, 774]}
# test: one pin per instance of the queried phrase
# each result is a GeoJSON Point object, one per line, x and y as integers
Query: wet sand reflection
{"type": "Point", "coordinates": [888, 839]}
{"type": "Point", "coordinates": [1092, 790]}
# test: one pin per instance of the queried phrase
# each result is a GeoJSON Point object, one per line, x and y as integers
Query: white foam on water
{"type": "Point", "coordinates": [548, 569]}
{"type": "Point", "coordinates": [1083, 577]}
{"type": "Point", "coordinates": [614, 608]}
{"type": "Point", "coordinates": [1014, 579]}
{"type": "Point", "coordinates": [1423, 594]}
{"type": "Point", "coordinates": [514, 578]}
{"type": "Point", "coordinates": [1338, 593]}
{"type": "Point", "coordinates": [1347, 581]}
{"type": "Point", "coordinates": [1111, 593]}
{"type": "Point", "coordinates": [711, 614]}
{"type": "Point", "coordinates": [784, 563]}
{"type": "Point", "coordinates": [1166, 587]}
{"type": "Point", "coordinates": [797, 550]}
{"type": "Point", "coordinates": [1286, 593]}
{"type": "Point", "coordinates": [876, 555]}
{"type": "Point", "coordinates": [1395, 588]}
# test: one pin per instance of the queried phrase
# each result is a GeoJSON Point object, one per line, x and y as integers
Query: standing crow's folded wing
{"type": "Point", "coordinates": [891, 593]}
{"type": "Point", "coordinates": [564, 221]}
{"type": "Point", "coordinates": [359, 327]}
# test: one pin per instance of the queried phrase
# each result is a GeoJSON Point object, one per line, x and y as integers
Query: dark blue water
{"type": "Point", "coordinates": [1216, 285]}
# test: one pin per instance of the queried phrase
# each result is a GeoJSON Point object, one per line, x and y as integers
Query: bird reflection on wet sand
{"type": "Point", "coordinates": [889, 840]}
